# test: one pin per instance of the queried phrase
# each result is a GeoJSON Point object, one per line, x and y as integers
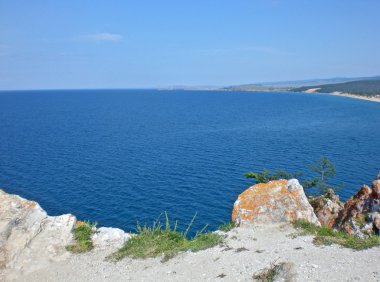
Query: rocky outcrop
{"type": "Point", "coordinates": [32, 240]}
{"type": "Point", "coordinates": [273, 202]}
{"type": "Point", "coordinates": [360, 215]}
{"type": "Point", "coordinates": [327, 208]}
{"type": "Point", "coordinates": [29, 238]}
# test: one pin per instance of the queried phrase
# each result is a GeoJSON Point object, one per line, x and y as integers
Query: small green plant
{"type": "Point", "coordinates": [306, 226]}
{"type": "Point", "coordinates": [227, 226]}
{"type": "Point", "coordinates": [326, 236]}
{"type": "Point", "coordinates": [82, 237]}
{"type": "Point", "coordinates": [165, 240]}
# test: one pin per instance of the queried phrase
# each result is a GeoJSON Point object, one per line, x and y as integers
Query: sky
{"type": "Point", "coordinates": [75, 44]}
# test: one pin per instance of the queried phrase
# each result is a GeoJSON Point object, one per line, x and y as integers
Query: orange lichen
{"type": "Point", "coordinates": [79, 223]}
{"type": "Point", "coordinates": [267, 202]}
{"type": "Point", "coordinates": [32, 204]}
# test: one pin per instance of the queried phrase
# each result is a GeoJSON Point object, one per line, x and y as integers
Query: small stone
{"type": "Point", "coordinates": [106, 236]}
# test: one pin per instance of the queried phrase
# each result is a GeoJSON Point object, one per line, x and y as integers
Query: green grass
{"type": "Point", "coordinates": [327, 236]}
{"type": "Point", "coordinates": [227, 226]}
{"type": "Point", "coordinates": [165, 240]}
{"type": "Point", "coordinates": [82, 237]}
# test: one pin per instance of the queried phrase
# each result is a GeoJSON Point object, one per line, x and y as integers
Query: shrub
{"type": "Point", "coordinates": [324, 169]}
{"type": "Point", "coordinates": [266, 176]}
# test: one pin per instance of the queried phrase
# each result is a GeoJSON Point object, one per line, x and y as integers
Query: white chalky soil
{"type": "Point", "coordinates": [264, 244]}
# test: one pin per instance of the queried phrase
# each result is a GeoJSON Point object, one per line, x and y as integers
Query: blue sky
{"type": "Point", "coordinates": [133, 44]}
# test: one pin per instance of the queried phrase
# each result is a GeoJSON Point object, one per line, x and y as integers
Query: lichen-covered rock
{"type": "Point", "coordinates": [273, 202]}
{"type": "Point", "coordinates": [327, 208]}
{"type": "Point", "coordinates": [107, 236]}
{"type": "Point", "coordinates": [361, 213]}
{"type": "Point", "coordinates": [29, 238]}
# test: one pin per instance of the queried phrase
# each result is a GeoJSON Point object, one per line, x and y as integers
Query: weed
{"type": "Point", "coordinates": [327, 236]}
{"type": "Point", "coordinates": [165, 240]}
{"type": "Point", "coordinates": [274, 271]}
{"type": "Point", "coordinates": [82, 237]}
{"type": "Point", "coordinates": [227, 226]}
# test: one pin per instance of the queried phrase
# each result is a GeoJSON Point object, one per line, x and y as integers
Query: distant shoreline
{"type": "Point", "coordinates": [313, 91]}
{"type": "Point", "coordinates": [372, 99]}
{"type": "Point", "coordinates": [349, 95]}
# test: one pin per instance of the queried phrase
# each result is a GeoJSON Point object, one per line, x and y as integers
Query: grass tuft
{"type": "Point", "coordinates": [271, 273]}
{"type": "Point", "coordinates": [227, 226]}
{"type": "Point", "coordinates": [159, 239]}
{"type": "Point", "coordinates": [327, 236]}
{"type": "Point", "coordinates": [82, 237]}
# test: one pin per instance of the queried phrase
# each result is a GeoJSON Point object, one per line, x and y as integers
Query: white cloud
{"type": "Point", "coordinates": [256, 49]}
{"type": "Point", "coordinates": [103, 37]}
{"type": "Point", "coordinates": [242, 49]}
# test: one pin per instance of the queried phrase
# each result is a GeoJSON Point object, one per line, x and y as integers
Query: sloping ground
{"type": "Point", "coordinates": [246, 251]}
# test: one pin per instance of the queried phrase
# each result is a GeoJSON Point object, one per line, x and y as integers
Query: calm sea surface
{"type": "Point", "coordinates": [122, 156]}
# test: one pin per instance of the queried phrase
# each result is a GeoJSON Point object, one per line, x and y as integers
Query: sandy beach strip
{"type": "Point", "coordinates": [349, 95]}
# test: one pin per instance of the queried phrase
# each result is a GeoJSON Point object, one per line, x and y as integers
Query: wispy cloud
{"type": "Point", "coordinates": [259, 49]}
{"type": "Point", "coordinates": [242, 49]}
{"type": "Point", "coordinates": [102, 37]}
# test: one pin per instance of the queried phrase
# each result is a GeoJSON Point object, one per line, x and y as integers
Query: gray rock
{"type": "Point", "coordinates": [29, 238]}
{"type": "Point", "coordinates": [106, 236]}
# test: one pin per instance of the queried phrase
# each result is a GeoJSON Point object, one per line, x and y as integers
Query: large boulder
{"type": "Point", "coordinates": [273, 202]}
{"type": "Point", "coordinates": [29, 238]}
{"type": "Point", "coordinates": [327, 207]}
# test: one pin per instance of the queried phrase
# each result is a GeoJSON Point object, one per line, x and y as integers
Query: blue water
{"type": "Point", "coordinates": [122, 156]}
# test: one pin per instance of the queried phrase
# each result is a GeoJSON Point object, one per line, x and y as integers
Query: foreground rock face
{"type": "Point", "coordinates": [361, 213]}
{"type": "Point", "coordinates": [29, 238]}
{"type": "Point", "coordinates": [32, 240]}
{"type": "Point", "coordinates": [273, 202]}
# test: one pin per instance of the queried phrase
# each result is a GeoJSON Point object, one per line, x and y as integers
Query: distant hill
{"type": "Point", "coordinates": [256, 87]}
{"type": "Point", "coordinates": [289, 85]}
{"type": "Point", "coordinates": [308, 82]}
{"type": "Point", "coordinates": [361, 87]}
